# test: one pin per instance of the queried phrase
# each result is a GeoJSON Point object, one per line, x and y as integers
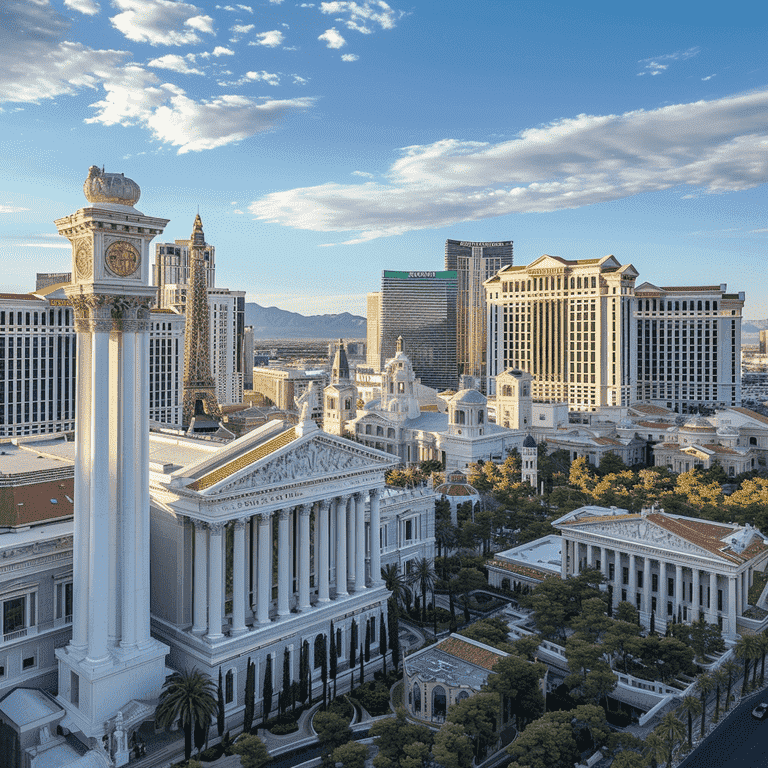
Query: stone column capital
{"type": "Point", "coordinates": [200, 525]}
{"type": "Point", "coordinates": [359, 496]}
{"type": "Point", "coordinates": [216, 528]}
{"type": "Point", "coordinates": [344, 498]}
{"type": "Point", "coordinates": [264, 517]}
{"type": "Point", "coordinates": [304, 509]}
{"type": "Point", "coordinates": [240, 522]}
{"type": "Point", "coordinates": [283, 514]}
{"type": "Point", "coordinates": [324, 505]}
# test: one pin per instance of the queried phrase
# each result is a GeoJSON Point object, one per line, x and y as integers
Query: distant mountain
{"type": "Point", "coordinates": [274, 323]}
{"type": "Point", "coordinates": [750, 330]}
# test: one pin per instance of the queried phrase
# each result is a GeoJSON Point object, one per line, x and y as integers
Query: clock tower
{"type": "Point", "coordinates": [111, 660]}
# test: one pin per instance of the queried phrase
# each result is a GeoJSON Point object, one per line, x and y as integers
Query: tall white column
{"type": "Point", "coordinates": [100, 545]}
{"type": "Point", "coordinates": [360, 543]}
{"type": "Point", "coordinates": [341, 545]}
{"type": "Point", "coordinates": [304, 511]}
{"type": "Point", "coordinates": [738, 595]}
{"type": "Point", "coordinates": [731, 607]}
{"type": "Point", "coordinates": [351, 539]}
{"type": "Point", "coordinates": [662, 592]}
{"type": "Point", "coordinates": [254, 544]}
{"type": "Point", "coordinates": [238, 578]}
{"type": "Point", "coordinates": [617, 577]}
{"type": "Point", "coordinates": [632, 590]}
{"type": "Point", "coordinates": [563, 557]}
{"type": "Point", "coordinates": [712, 612]}
{"type": "Point", "coordinates": [143, 633]}
{"type": "Point", "coordinates": [375, 536]}
{"type": "Point", "coordinates": [283, 564]}
{"type": "Point", "coordinates": [744, 591]}
{"type": "Point", "coordinates": [647, 584]}
{"type": "Point", "coordinates": [603, 562]}
{"type": "Point", "coordinates": [265, 568]}
{"type": "Point", "coordinates": [323, 589]}
{"type": "Point", "coordinates": [678, 590]}
{"type": "Point", "coordinates": [696, 602]}
{"type": "Point", "coordinates": [200, 599]}
{"type": "Point", "coordinates": [81, 548]}
{"type": "Point", "coordinates": [215, 581]}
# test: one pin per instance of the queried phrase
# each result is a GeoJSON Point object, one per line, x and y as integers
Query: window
{"type": "Point", "coordinates": [19, 615]}
{"type": "Point", "coordinates": [408, 530]}
{"type": "Point", "coordinates": [625, 575]}
{"type": "Point", "coordinates": [29, 662]}
{"type": "Point", "coordinates": [229, 687]}
{"type": "Point", "coordinates": [64, 602]}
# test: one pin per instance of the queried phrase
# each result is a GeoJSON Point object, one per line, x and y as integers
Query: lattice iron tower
{"type": "Point", "coordinates": [199, 386]}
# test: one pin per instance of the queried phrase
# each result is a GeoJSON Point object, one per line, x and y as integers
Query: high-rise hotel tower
{"type": "Point", "coordinates": [569, 324]}
{"type": "Point", "coordinates": [474, 263]}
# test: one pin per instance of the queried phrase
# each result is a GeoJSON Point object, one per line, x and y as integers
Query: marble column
{"type": "Point", "coordinates": [731, 607]}
{"type": "Point", "coordinates": [738, 594]}
{"type": "Point", "coordinates": [712, 603]}
{"type": "Point", "coordinates": [238, 578]}
{"type": "Point", "coordinates": [351, 539]}
{"type": "Point", "coordinates": [200, 599]}
{"type": "Point", "coordinates": [265, 568]}
{"type": "Point", "coordinates": [632, 589]}
{"type": "Point", "coordinates": [341, 545]}
{"type": "Point", "coordinates": [323, 591]}
{"type": "Point", "coordinates": [564, 557]}
{"type": "Point", "coordinates": [360, 542]}
{"type": "Point", "coordinates": [744, 591]}
{"type": "Point", "coordinates": [215, 581]}
{"type": "Point", "coordinates": [661, 606]}
{"type": "Point", "coordinates": [678, 590]}
{"type": "Point", "coordinates": [284, 582]}
{"type": "Point", "coordinates": [603, 562]}
{"type": "Point", "coordinates": [617, 577]}
{"type": "Point", "coordinates": [304, 512]}
{"type": "Point", "coordinates": [376, 536]}
{"type": "Point", "coordinates": [254, 526]}
{"type": "Point", "coordinates": [647, 584]}
{"type": "Point", "coordinates": [696, 602]}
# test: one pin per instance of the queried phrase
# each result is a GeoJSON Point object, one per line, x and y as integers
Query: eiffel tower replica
{"type": "Point", "coordinates": [201, 412]}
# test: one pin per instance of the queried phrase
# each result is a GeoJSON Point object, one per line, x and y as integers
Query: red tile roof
{"type": "Point", "coordinates": [482, 657]}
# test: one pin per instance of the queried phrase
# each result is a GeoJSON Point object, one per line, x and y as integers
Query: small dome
{"type": "Point", "coordinates": [529, 442]}
{"type": "Point", "coordinates": [456, 489]}
{"type": "Point", "coordinates": [697, 424]}
{"type": "Point", "coordinates": [102, 187]}
{"type": "Point", "coordinates": [469, 396]}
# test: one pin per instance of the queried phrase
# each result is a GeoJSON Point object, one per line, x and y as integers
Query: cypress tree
{"type": "Point", "coordinates": [333, 665]}
{"type": "Point", "coordinates": [286, 695]}
{"type": "Point", "coordinates": [394, 640]}
{"type": "Point", "coordinates": [324, 671]}
{"type": "Point", "coordinates": [250, 693]}
{"type": "Point", "coordinates": [304, 672]}
{"type": "Point", "coordinates": [362, 669]}
{"type": "Point", "coordinates": [383, 643]}
{"type": "Point", "coordinates": [353, 645]}
{"type": "Point", "coordinates": [266, 692]}
{"type": "Point", "coordinates": [368, 640]}
{"type": "Point", "coordinates": [220, 708]}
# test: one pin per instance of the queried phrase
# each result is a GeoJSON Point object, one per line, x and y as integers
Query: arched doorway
{"type": "Point", "coordinates": [438, 702]}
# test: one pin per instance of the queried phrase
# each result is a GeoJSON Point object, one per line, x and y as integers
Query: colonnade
{"type": "Point", "coordinates": [679, 590]}
{"type": "Point", "coordinates": [309, 564]}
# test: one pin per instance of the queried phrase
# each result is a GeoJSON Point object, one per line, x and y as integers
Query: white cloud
{"type": "Point", "coordinates": [235, 8]}
{"type": "Point", "coordinates": [713, 146]}
{"type": "Point", "coordinates": [362, 173]}
{"type": "Point", "coordinates": [194, 126]}
{"type": "Point", "coordinates": [270, 39]}
{"type": "Point", "coordinates": [349, 57]}
{"type": "Point", "coordinates": [175, 63]}
{"type": "Point", "coordinates": [360, 14]}
{"type": "Point", "coordinates": [88, 7]}
{"type": "Point", "coordinates": [708, 77]}
{"type": "Point", "coordinates": [238, 30]}
{"type": "Point", "coordinates": [132, 95]}
{"type": "Point", "coordinates": [332, 38]}
{"type": "Point", "coordinates": [161, 22]}
{"type": "Point", "coordinates": [220, 50]}
{"type": "Point", "coordinates": [299, 80]}
{"type": "Point", "coordinates": [237, 210]}
{"type": "Point", "coordinates": [276, 2]}
{"type": "Point", "coordinates": [265, 77]}
{"type": "Point", "coordinates": [10, 208]}
{"type": "Point", "coordinates": [654, 66]}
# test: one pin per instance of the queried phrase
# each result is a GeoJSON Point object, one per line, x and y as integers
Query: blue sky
{"type": "Point", "coordinates": [324, 142]}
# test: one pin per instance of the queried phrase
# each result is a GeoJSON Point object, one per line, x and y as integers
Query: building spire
{"type": "Point", "coordinates": [340, 370]}
{"type": "Point", "coordinates": [201, 410]}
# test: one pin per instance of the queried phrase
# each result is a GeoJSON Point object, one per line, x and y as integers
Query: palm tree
{"type": "Point", "coordinates": [671, 731]}
{"type": "Point", "coordinates": [745, 650]}
{"type": "Point", "coordinates": [423, 574]}
{"type": "Point", "coordinates": [396, 583]}
{"type": "Point", "coordinates": [732, 669]}
{"type": "Point", "coordinates": [188, 697]}
{"type": "Point", "coordinates": [706, 684]}
{"type": "Point", "coordinates": [691, 707]}
{"type": "Point", "coordinates": [655, 748]}
{"type": "Point", "coordinates": [721, 678]}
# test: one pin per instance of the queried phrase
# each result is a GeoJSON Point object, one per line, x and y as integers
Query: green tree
{"type": "Point", "coordinates": [220, 708]}
{"type": "Point", "coordinates": [581, 656]}
{"type": "Point", "coordinates": [350, 755]}
{"type": "Point", "coordinates": [517, 682]}
{"type": "Point", "coordinates": [287, 682]}
{"type": "Point", "coordinates": [304, 672]}
{"type": "Point", "coordinates": [423, 575]}
{"type": "Point", "coordinates": [544, 744]}
{"type": "Point", "coordinates": [621, 641]}
{"type": "Point", "coordinates": [253, 753]}
{"type": "Point", "coordinates": [397, 584]}
{"type": "Point", "coordinates": [187, 697]}
{"type": "Point", "coordinates": [746, 651]}
{"type": "Point", "coordinates": [383, 643]}
{"type": "Point", "coordinates": [494, 632]}
{"type": "Point", "coordinates": [477, 715]}
{"type": "Point", "coordinates": [599, 682]}
{"type": "Point", "coordinates": [266, 691]}
{"type": "Point", "coordinates": [394, 737]}
{"type": "Point", "coordinates": [526, 646]}
{"type": "Point", "coordinates": [367, 646]}
{"type": "Point", "coordinates": [464, 582]}
{"type": "Point", "coordinates": [593, 622]}
{"type": "Point", "coordinates": [731, 669]}
{"type": "Point", "coordinates": [332, 731]}
{"type": "Point", "coordinates": [610, 464]}
{"type": "Point", "coordinates": [706, 685]}
{"type": "Point", "coordinates": [333, 665]}
{"type": "Point", "coordinates": [672, 732]}
{"type": "Point", "coordinates": [720, 678]}
{"type": "Point", "coordinates": [627, 612]}
{"type": "Point", "coordinates": [655, 748]}
{"type": "Point", "coordinates": [453, 747]}
{"type": "Point", "coordinates": [691, 707]}
{"type": "Point", "coordinates": [628, 759]}
{"type": "Point", "coordinates": [250, 693]}
{"type": "Point", "coordinates": [353, 647]}
{"type": "Point", "coordinates": [394, 633]}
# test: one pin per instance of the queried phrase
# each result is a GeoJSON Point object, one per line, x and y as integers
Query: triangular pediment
{"type": "Point", "coordinates": [641, 531]}
{"type": "Point", "coordinates": [310, 458]}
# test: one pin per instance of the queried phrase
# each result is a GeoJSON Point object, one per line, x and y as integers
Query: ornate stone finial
{"type": "Point", "coordinates": [101, 187]}
{"type": "Point", "coordinates": [399, 347]}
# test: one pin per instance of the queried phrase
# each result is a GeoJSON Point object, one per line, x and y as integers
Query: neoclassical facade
{"type": "Point", "coordinates": [667, 565]}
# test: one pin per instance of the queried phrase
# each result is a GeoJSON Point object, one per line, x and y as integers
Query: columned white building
{"type": "Point", "coordinates": [666, 565]}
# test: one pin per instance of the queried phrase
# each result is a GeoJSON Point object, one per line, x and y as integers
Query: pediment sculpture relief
{"type": "Point", "coordinates": [308, 460]}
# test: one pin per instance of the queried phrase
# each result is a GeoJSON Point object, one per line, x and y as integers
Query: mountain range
{"type": "Point", "coordinates": [274, 323]}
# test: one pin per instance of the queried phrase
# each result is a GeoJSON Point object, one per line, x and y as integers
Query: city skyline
{"type": "Point", "coordinates": [327, 142]}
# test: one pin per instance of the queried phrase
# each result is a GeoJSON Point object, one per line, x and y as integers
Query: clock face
{"type": "Point", "coordinates": [122, 259]}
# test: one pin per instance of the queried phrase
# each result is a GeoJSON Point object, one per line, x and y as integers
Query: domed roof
{"type": "Point", "coordinates": [469, 396]}
{"type": "Point", "coordinates": [456, 489]}
{"type": "Point", "coordinates": [697, 424]}
{"type": "Point", "coordinates": [101, 187]}
{"type": "Point", "coordinates": [529, 442]}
